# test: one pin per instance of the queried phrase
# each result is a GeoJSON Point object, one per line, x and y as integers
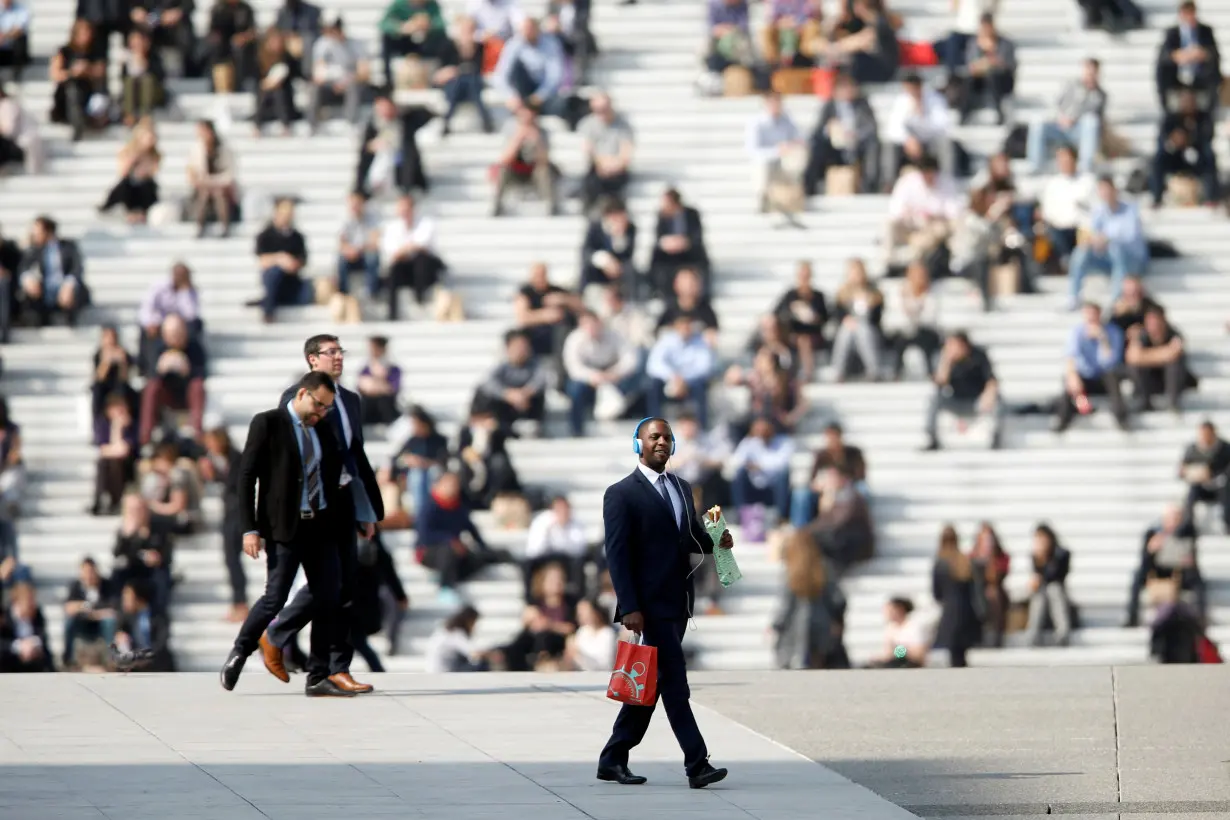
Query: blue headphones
{"type": "Point", "coordinates": [636, 437]}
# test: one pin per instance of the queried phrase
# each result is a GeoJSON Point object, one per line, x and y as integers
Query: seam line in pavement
{"type": "Point", "coordinates": [180, 754]}
{"type": "Point", "coordinates": [1114, 706]}
{"type": "Point", "coordinates": [400, 701]}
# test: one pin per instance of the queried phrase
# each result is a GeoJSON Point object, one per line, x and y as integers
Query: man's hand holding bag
{"type": "Point", "coordinates": [634, 680]}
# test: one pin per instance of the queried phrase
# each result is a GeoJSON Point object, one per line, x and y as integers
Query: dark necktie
{"type": "Point", "coordinates": [311, 465]}
{"type": "Point", "coordinates": [666, 496]}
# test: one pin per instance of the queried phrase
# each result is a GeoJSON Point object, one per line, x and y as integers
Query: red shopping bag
{"type": "Point", "coordinates": [635, 678]}
{"type": "Point", "coordinates": [822, 80]}
{"type": "Point", "coordinates": [917, 54]}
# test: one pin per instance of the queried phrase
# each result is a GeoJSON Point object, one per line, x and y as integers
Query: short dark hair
{"type": "Point", "coordinates": [458, 620]}
{"type": "Point", "coordinates": [1106, 179]}
{"type": "Point", "coordinates": [927, 163]}
{"type": "Point", "coordinates": [833, 427]}
{"type": "Point", "coordinates": [1187, 5]}
{"type": "Point", "coordinates": [904, 604]}
{"type": "Point", "coordinates": [636, 433]}
{"type": "Point", "coordinates": [381, 342]}
{"type": "Point", "coordinates": [168, 450]}
{"type": "Point", "coordinates": [961, 336]}
{"type": "Point", "coordinates": [314, 379]}
{"type": "Point", "coordinates": [614, 206]}
{"type": "Point", "coordinates": [673, 195]}
{"type": "Point", "coordinates": [911, 79]}
{"type": "Point", "coordinates": [47, 223]}
{"type": "Point", "coordinates": [1095, 62]}
{"type": "Point", "coordinates": [314, 343]}
{"type": "Point", "coordinates": [1208, 424]}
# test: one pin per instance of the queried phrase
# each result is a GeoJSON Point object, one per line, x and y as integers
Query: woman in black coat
{"type": "Point", "coordinates": [952, 584]}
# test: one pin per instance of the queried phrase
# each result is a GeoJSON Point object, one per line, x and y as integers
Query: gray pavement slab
{"type": "Point", "coordinates": [462, 747]}
{"type": "Point", "coordinates": [997, 742]}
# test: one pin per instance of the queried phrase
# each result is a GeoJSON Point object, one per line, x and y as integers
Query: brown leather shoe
{"type": "Point", "coordinates": [273, 659]}
{"type": "Point", "coordinates": [342, 680]}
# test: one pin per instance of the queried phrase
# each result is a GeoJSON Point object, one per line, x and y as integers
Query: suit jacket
{"type": "Point", "coordinates": [597, 239]}
{"type": "Point", "coordinates": [1205, 38]}
{"type": "Point", "coordinates": [354, 459]}
{"type": "Point", "coordinates": [271, 456]}
{"type": "Point", "coordinates": [864, 120]}
{"type": "Point", "coordinates": [692, 227]}
{"type": "Point", "coordinates": [70, 258]}
{"type": "Point", "coordinates": [646, 552]}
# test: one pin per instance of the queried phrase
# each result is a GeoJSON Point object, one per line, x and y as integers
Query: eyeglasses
{"type": "Point", "coordinates": [337, 351]}
{"type": "Point", "coordinates": [320, 406]}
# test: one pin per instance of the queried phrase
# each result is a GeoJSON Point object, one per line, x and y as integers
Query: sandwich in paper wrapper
{"type": "Point", "coordinates": [724, 559]}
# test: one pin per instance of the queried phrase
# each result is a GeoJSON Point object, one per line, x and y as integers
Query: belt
{"type": "Point", "coordinates": [307, 515]}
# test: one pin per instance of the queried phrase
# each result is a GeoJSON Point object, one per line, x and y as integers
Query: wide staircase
{"type": "Point", "coordinates": [1098, 487]}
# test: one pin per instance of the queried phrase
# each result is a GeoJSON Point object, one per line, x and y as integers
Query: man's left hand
{"type": "Point", "coordinates": [727, 541]}
{"type": "Point", "coordinates": [367, 529]}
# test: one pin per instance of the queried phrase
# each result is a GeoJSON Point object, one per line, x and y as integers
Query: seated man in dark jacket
{"type": "Point", "coordinates": [516, 389]}
{"type": "Point", "coordinates": [1189, 57]}
{"type": "Point", "coordinates": [440, 526]}
{"type": "Point", "coordinates": [679, 242]}
{"type": "Point", "coordinates": [837, 142]}
{"type": "Point", "coordinates": [51, 273]}
{"type": "Point", "coordinates": [142, 639]}
{"type": "Point", "coordinates": [1206, 470]}
{"type": "Point", "coordinates": [390, 136]}
{"type": "Point", "coordinates": [606, 254]}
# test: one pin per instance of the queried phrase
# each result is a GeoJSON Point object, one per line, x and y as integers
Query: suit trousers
{"type": "Point", "coordinates": [302, 610]}
{"type": "Point", "coordinates": [317, 553]}
{"type": "Point", "coordinates": [633, 721]}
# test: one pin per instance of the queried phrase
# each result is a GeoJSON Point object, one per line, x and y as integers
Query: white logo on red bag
{"type": "Point", "coordinates": [635, 689]}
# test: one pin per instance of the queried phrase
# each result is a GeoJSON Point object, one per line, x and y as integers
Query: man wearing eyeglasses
{"type": "Point", "coordinates": [299, 518]}
{"type": "Point", "coordinates": [360, 507]}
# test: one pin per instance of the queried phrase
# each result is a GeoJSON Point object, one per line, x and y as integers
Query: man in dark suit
{"type": "Point", "coordinates": [679, 242]}
{"type": "Point", "coordinates": [651, 531]}
{"type": "Point", "coordinates": [359, 507]}
{"type": "Point", "coordinates": [1189, 57]}
{"type": "Point", "coordinates": [299, 466]}
{"type": "Point", "coordinates": [391, 130]}
{"type": "Point", "coordinates": [51, 273]}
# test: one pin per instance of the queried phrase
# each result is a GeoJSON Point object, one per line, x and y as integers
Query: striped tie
{"type": "Point", "coordinates": [311, 465]}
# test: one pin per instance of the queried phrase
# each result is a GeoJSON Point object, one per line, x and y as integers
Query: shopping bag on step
{"type": "Point", "coordinates": [635, 678]}
{"type": "Point", "coordinates": [724, 559]}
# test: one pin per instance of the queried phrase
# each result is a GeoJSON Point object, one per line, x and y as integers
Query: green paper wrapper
{"type": "Point", "coordinates": [724, 559]}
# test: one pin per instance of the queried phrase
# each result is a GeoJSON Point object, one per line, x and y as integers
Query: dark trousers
{"type": "Point", "coordinates": [633, 721]}
{"type": "Point", "coordinates": [1168, 79]}
{"type": "Point", "coordinates": [595, 187]}
{"type": "Point", "coordinates": [110, 478]}
{"type": "Point", "coordinates": [823, 155]}
{"type": "Point", "coordinates": [744, 492]}
{"type": "Point", "coordinates": [1105, 385]}
{"type": "Point", "coordinates": [1167, 162]}
{"type": "Point", "coordinates": [1167, 381]}
{"type": "Point", "coordinates": [16, 55]}
{"type": "Point", "coordinates": [987, 91]}
{"type": "Point", "coordinates": [10, 152]}
{"type": "Point", "coordinates": [232, 552]}
{"type": "Point", "coordinates": [1112, 14]}
{"type": "Point", "coordinates": [243, 59]}
{"type": "Point", "coordinates": [282, 289]}
{"type": "Point", "coordinates": [303, 610]}
{"type": "Point", "coordinates": [1063, 240]}
{"type": "Point", "coordinates": [401, 46]}
{"type": "Point", "coordinates": [276, 104]}
{"type": "Point", "coordinates": [1212, 495]}
{"type": "Point", "coordinates": [315, 548]}
{"type": "Point", "coordinates": [133, 195]}
{"type": "Point", "coordinates": [926, 339]}
{"type": "Point", "coordinates": [420, 273]}
{"type": "Point", "coordinates": [466, 88]}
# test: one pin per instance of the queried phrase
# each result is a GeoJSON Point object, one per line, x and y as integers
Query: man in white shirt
{"type": "Point", "coordinates": [554, 533]}
{"type": "Point", "coordinates": [1065, 203]}
{"type": "Point", "coordinates": [596, 357]}
{"type": "Point", "coordinates": [923, 209]}
{"type": "Point", "coordinates": [339, 71]}
{"type": "Point", "coordinates": [770, 135]}
{"type": "Point", "coordinates": [919, 124]}
{"type": "Point", "coordinates": [762, 468]}
{"type": "Point", "coordinates": [407, 246]}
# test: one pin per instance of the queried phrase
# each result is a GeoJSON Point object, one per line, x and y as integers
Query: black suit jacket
{"type": "Point", "coordinates": [692, 227]}
{"type": "Point", "coordinates": [354, 459]}
{"type": "Point", "coordinates": [647, 554]}
{"type": "Point", "coordinates": [1205, 38]}
{"type": "Point", "coordinates": [271, 456]}
{"type": "Point", "coordinates": [70, 258]}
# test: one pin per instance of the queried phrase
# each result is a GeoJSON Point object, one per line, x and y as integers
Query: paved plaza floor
{"type": "Point", "coordinates": [460, 747]}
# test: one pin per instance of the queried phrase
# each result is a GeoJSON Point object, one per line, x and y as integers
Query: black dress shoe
{"type": "Point", "coordinates": [325, 688]}
{"type": "Point", "coordinates": [706, 776]}
{"type": "Point", "coordinates": [620, 775]}
{"type": "Point", "coordinates": [231, 669]}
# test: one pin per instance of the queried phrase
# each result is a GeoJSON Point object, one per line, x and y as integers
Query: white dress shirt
{"type": "Point", "coordinates": [397, 235]}
{"type": "Point", "coordinates": [906, 120]}
{"type": "Point", "coordinates": [1065, 200]}
{"type": "Point", "coordinates": [672, 489]}
{"type": "Point", "coordinates": [547, 536]}
{"type": "Point", "coordinates": [914, 202]}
